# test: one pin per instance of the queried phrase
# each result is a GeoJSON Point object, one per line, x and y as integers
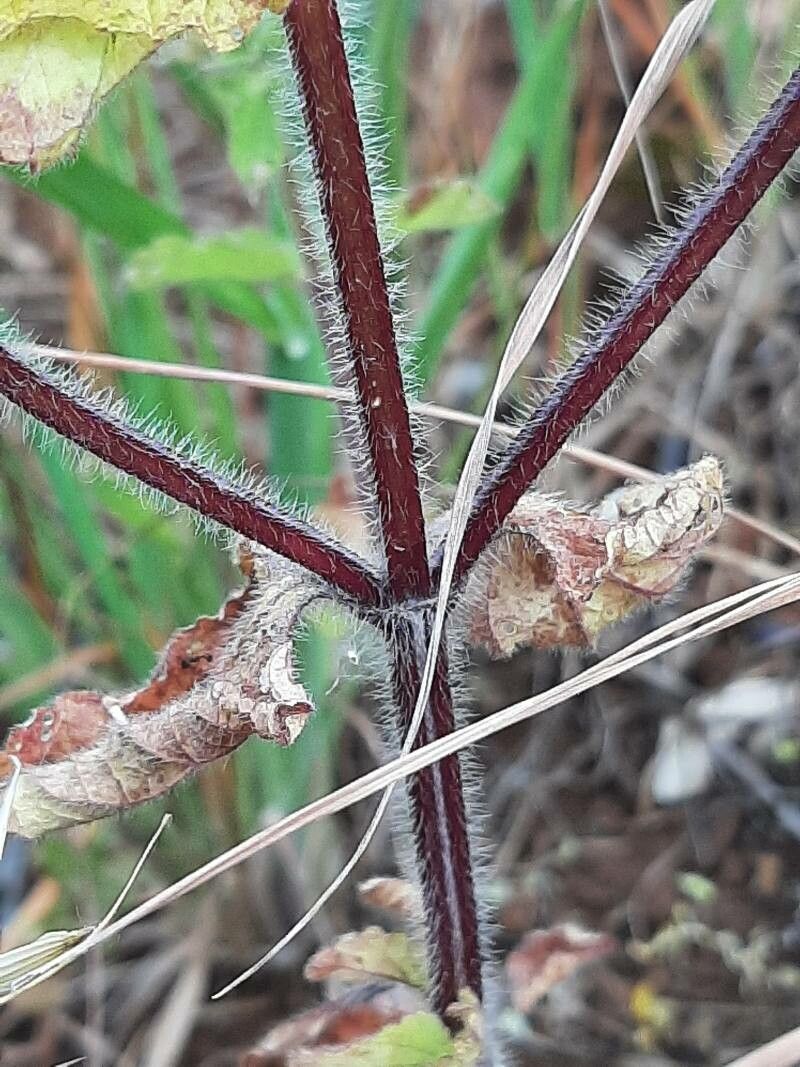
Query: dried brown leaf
{"type": "Point", "coordinates": [546, 957]}
{"type": "Point", "coordinates": [395, 895]}
{"type": "Point", "coordinates": [559, 576]}
{"type": "Point", "coordinates": [86, 755]}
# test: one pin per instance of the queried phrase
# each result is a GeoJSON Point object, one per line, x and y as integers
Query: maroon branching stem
{"type": "Point", "coordinates": [753, 169]}
{"type": "Point", "coordinates": [404, 597]}
{"type": "Point", "coordinates": [115, 442]}
{"type": "Point", "coordinates": [436, 797]}
{"type": "Point", "coordinates": [315, 41]}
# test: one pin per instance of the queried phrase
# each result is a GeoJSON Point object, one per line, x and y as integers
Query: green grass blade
{"type": "Point", "coordinates": [101, 201]}
{"type": "Point", "coordinates": [73, 499]}
{"type": "Point", "coordinates": [525, 28]}
{"type": "Point", "coordinates": [388, 54]}
{"type": "Point", "coordinates": [465, 255]}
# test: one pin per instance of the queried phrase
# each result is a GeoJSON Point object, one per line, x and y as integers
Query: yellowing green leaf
{"type": "Point", "coordinates": [51, 81]}
{"type": "Point", "coordinates": [59, 58]}
{"type": "Point", "coordinates": [367, 954]}
{"type": "Point", "coordinates": [247, 255]}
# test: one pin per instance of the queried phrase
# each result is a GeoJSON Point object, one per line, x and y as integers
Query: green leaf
{"type": "Point", "coordinates": [255, 150]}
{"type": "Point", "coordinates": [465, 256]}
{"type": "Point", "coordinates": [446, 206]}
{"type": "Point", "coordinates": [418, 1040]}
{"type": "Point", "coordinates": [101, 202]}
{"type": "Point", "coordinates": [247, 255]}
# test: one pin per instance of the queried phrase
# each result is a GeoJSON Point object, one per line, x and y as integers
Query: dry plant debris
{"type": "Point", "coordinates": [560, 576]}
{"type": "Point", "coordinates": [220, 681]}
{"type": "Point", "coordinates": [546, 957]}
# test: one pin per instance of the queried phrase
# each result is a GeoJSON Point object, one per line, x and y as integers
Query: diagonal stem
{"type": "Point", "coordinates": [438, 812]}
{"type": "Point", "coordinates": [86, 424]}
{"type": "Point", "coordinates": [606, 355]}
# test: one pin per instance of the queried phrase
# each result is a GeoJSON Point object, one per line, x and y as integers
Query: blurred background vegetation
{"type": "Point", "coordinates": [174, 236]}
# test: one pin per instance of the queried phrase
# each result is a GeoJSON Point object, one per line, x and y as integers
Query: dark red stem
{"type": "Point", "coordinates": [436, 797]}
{"type": "Point", "coordinates": [756, 165]}
{"type": "Point", "coordinates": [120, 445]}
{"type": "Point", "coordinates": [439, 822]}
{"type": "Point", "coordinates": [320, 62]}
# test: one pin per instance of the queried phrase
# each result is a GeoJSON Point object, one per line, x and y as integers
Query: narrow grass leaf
{"type": "Point", "coordinates": [465, 256]}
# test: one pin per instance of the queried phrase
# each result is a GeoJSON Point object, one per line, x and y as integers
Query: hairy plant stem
{"type": "Point", "coordinates": [604, 357]}
{"type": "Point", "coordinates": [439, 823]}
{"type": "Point", "coordinates": [122, 446]}
{"type": "Point", "coordinates": [315, 40]}
{"type": "Point", "coordinates": [403, 599]}
{"type": "Point", "coordinates": [438, 811]}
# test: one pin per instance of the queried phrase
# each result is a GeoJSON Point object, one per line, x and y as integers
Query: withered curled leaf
{"type": "Point", "coordinates": [394, 895]}
{"type": "Point", "coordinates": [86, 755]}
{"type": "Point", "coordinates": [559, 576]}
{"type": "Point", "coordinates": [544, 958]}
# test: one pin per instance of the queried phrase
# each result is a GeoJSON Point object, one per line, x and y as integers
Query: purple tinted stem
{"type": "Point", "coordinates": [756, 165]}
{"type": "Point", "coordinates": [123, 447]}
{"type": "Point", "coordinates": [436, 798]}
{"type": "Point", "coordinates": [439, 822]}
{"type": "Point", "coordinates": [315, 40]}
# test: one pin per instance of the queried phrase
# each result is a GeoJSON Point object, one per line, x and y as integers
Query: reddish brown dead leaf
{"type": "Point", "coordinates": [70, 722]}
{"type": "Point", "coordinates": [87, 755]}
{"type": "Point", "coordinates": [188, 657]}
{"type": "Point", "coordinates": [546, 957]}
{"type": "Point", "coordinates": [559, 576]}
{"type": "Point", "coordinates": [332, 1025]}
{"type": "Point", "coordinates": [75, 720]}
{"type": "Point", "coordinates": [394, 895]}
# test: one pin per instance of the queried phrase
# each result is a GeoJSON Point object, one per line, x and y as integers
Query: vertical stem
{"type": "Point", "coordinates": [315, 40]}
{"type": "Point", "coordinates": [436, 797]}
{"type": "Point", "coordinates": [439, 822]}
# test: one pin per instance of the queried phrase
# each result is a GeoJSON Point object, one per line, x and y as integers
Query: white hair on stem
{"type": "Point", "coordinates": [241, 479]}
